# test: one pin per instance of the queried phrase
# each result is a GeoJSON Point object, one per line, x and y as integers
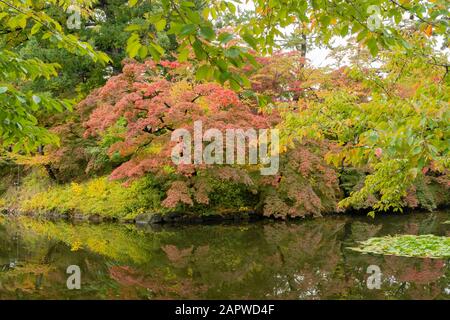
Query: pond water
{"type": "Point", "coordinates": [264, 260]}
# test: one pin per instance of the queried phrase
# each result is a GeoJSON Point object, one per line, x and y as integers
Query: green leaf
{"type": "Point", "coordinates": [132, 3]}
{"type": "Point", "coordinates": [158, 48]}
{"type": "Point", "coordinates": [250, 40]}
{"type": "Point", "coordinates": [143, 52]}
{"type": "Point", "coordinates": [325, 20]}
{"type": "Point", "coordinates": [225, 37]}
{"type": "Point", "coordinates": [193, 16]}
{"type": "Point", "coordinates": [155, 53]}
{"type": "Point", "coordinates": [160, 25]}
{"type": "Point", "coordinates": [133, 45]}
{"type": "Point", "coordinates": [183, 55]}
{"type": "Point", "coordinates": [187, 4]}
{"type": "Point", "coordinates": [133, 49]}
{"type": "Point", "coordinates": [373, 46]}
{"type": "Point", "coordinates": [207, 32]}
{"type": "Point", "coordinates": [19, 20]}
{"type": "Point", "coordinates": [344, 31]}
{"type": "Point", "coordinates": [232, 52]}
{"type": "Point", "coordinates": [3, 89]}
{"type": "Point", "coordinates": [361, 35]}
{"type": "Point", "coordinates": [198, 50]}
{"type": "Point", "coordinates": [35, 29]}
{"type": "Point", "coordinates": [188, 29]}
{"type": "Point", "coordinates": [203, 72]}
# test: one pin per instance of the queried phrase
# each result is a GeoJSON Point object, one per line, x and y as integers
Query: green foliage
{"type": "Point", "coordinates": [18, 124]}
{"type": "Point", "coordinates": [423, 246]}
{"type": "Point", "coordinates": [106, 28]}
{"type": "Point", "coordinates": [376, 24]}
{"type": "Point", "coordinates": [20, 20]}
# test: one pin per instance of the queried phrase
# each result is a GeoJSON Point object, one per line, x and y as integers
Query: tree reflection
{"type": "Point", "coordinates": [301, 260]}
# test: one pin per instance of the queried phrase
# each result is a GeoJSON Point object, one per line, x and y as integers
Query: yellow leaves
{"type": "Point", "coordinates": [205, 13]}
{"type": "Point", "coordinates": [179, 89]}
{"type": "Point", "coordinates": [112, 242]}
{"type": "Point", "coordinates": [97, 245]}
{"type": "Point", "coordinates": [76, 188]}
{"type": "Point", "coordinates": [429, 30]}
{"type": "Point", "coordinates": [96, 187]}
{"type": "Point", "coordinates": [96, 196]}
{"type": "Point", "coordinates": [76, 245]}
{"type": "Point", "coordinates": [264, 11]}
{"type": "Point", "coordinates": [19, 20]}
{"type": "Point", "coordinates": [2, 203]}
{"type": "Point", "coordinates": [34, 160]}
{"type": "Point", "coordinates": [202, 102]}
{"type": "Point", "coordinates": [283, 149]}
{"type": "Point", "coordinates": [334, 158]}
{"type": "Point", "coordinates": [348, 122]}
{"type": "Point", "coordinates": [154, 148]}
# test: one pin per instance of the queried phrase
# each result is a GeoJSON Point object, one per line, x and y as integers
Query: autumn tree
{"type": "Point", "coordinates": [141, 108]}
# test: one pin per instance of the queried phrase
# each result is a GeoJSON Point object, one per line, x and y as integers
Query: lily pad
{"type": "Point", "coordinates": [423, 246]}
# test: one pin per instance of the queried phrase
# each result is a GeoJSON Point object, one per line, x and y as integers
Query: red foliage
{"type": "Point", "coordinates": [306, 184]}
{"type": "Point", "coordinates": [153, 100]}
{"type": "Point", "coordinates": [153, 107]}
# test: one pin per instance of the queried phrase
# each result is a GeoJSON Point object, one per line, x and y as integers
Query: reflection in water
{"type": "Point", "coordinates": [267, 260]}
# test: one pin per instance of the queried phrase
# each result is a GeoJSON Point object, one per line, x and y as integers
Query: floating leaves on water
{"type": "Point", "coordinates": [423, 246]}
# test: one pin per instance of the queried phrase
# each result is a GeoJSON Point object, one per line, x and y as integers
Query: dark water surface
{"type": "Point", "coordinates": [264, 260]}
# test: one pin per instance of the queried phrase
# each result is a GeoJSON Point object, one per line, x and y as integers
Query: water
{"type": "Point", "coordinates": [265, 260]}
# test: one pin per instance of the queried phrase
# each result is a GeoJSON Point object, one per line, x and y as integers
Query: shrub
{"type": "Point", "coordinates": [97, 196]}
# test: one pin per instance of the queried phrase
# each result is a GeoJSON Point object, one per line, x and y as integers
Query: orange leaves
{"type": "Point", "coordinates": [429, 30]}
{"type": "Point", "coordinates": [30, 160]}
